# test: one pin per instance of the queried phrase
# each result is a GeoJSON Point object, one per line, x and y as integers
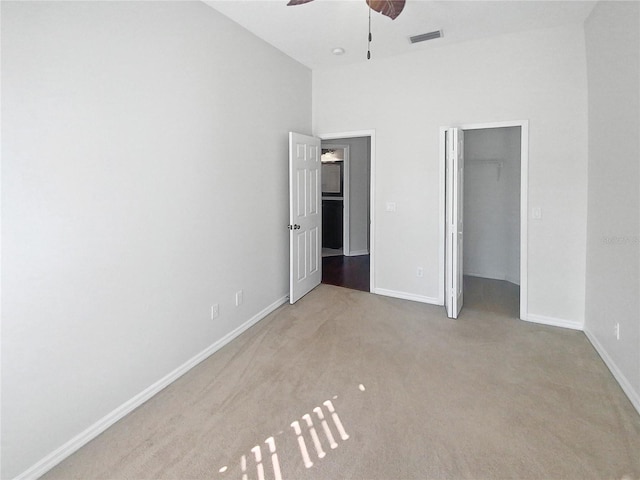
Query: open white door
{"type": "Point", "coordinates": [305, 215]}
{"type": "Point", "coordinates": [454, 221]}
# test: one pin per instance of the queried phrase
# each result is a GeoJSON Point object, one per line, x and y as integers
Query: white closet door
{"type": "Point", "coordinates": [454, 221]}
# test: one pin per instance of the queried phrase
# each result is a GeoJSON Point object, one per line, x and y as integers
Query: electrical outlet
{"type": "Point", "coordinates": [419, 272]}
{"type": "Point", "coordinates": [238, 298]}
{"type": "Point", "coordinates": [215, 311]}
{"type": "Point", "coordinates": [616, 330]}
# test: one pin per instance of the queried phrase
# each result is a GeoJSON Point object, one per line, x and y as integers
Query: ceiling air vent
{"type": "Point", "coordinates": [426, 36]}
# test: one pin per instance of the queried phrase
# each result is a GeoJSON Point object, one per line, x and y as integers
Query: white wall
{"type": "Point", "coordinates": [613, 234]}
{"type": "Point", "coordinates": [492, 203]}
{"type": "Point", "coordinates": [538, 76]}
{"type": "Point", "coordinates": [144, 176]}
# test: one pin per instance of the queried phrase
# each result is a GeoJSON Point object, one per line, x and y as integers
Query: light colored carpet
{"type": "Point", "coordinates": [419, 396]}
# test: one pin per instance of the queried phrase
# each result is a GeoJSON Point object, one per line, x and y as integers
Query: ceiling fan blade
{"type": "Point", "coordinates": [298, 2]}
{"type": "Point", "coordinates": [390, 8]}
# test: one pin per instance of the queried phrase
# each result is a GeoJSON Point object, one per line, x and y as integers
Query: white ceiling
{"type": "Point", "coordinates": [309, 32]}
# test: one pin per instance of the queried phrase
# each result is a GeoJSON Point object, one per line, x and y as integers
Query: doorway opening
{"type": "Point", "coordinates": [336, 227]}
{"type": "Point", "coordinates": [493, 225]}
{"type": "Point", "coordinates": [346, 210]}
{"type": "Point", "coordinates": [492, 220]}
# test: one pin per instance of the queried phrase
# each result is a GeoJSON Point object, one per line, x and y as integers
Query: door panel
{"type": "Point", "coordinates": [304, 215]}
{"type": "Point", "coordinates": [315, 253]}
{"type": "Point", "coordinates": [301, 178]}
{"type": "Point", "coordinates": [454, 294]}
{"type": "Point", "coordinates": [301, 238]}
{"type": "Point", "coordinates": [314, 193]}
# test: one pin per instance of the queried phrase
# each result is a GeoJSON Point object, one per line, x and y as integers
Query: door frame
{"type": "Point", "coordinates": [346, 234]}
{"type": "Point", "coordinates": [372, 168]}
{"type": "Point", "coordinates": [524, 207]}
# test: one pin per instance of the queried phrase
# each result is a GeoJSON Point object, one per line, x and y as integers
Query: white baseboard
{"type": "Point", "coordinates": [355, 253]}
{"type": "Point", "coordinates": [633, 395]}
{"type": "Point", "coordinates": [108, 420]}
{"type": "Point", "coordinates": [490, 276]}
{"type": "Point", "coordinates": [514, 280]}
{"type": "Point", "coordinates": [555, 322]}
{"type": "Point", "coordinates": [407, 296]}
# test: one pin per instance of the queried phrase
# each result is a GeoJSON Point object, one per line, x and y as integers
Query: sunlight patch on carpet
{"type": "Point", "coordinates": [253, 466]}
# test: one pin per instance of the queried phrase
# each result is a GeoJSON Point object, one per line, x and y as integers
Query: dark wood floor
{"type": "Point", "coordinates": [348, 272]}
